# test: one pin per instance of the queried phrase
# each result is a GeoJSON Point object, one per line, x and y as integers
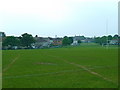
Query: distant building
{"type": "Point", "coordinates": [89, 40]}
{"type": "Point", "coordinates": [82, 39]}
{"type": "Point", "coordinates": [76, 39]}
{"type": "Point", "coordinates": [113, 42]}
{"type": "Point", "coordinates": [57, 41]}
{"type": "Point", "coordinates": [42, 42]}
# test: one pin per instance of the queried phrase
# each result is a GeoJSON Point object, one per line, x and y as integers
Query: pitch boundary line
{"type": "Point", "coordinates": [78, 65]}
{"type": "Point", "coordinates": [84, 68]}
{"type": "Point", "coordinates": [49, 73]}
{"type": "Point", "coordinates": [9, 65]}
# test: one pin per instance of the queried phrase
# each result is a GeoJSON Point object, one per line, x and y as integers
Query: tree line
{"type": "Point", "coordinates": [24, 40]}
{"type": "Point", "coordinates": [106, 39]}
{"type": "Point", "coordinates": [100, 40]}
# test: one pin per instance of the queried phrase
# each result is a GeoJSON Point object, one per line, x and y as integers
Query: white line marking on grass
{"type": "Point", "coordinates": [41, 74]}
{"type": "Point", "coordinates": [49, 73]}
{"type": "Point", "coordinates": [84, 68]}
{"type": "Point", "coordinates": [92, 72]}
{"type": "Point", "coordinates": [9, 65]}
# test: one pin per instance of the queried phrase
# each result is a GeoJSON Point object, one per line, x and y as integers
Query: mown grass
{"type": "Point", "coordinates": [52, 68]}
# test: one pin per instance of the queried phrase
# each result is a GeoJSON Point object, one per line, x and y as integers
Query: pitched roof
{"type": "Point", "coordinates": [41, 39]}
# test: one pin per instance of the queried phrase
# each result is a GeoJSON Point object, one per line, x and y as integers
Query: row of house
{"type": "Point", "coordinates": [114, 42]}
{"type": "Point", "coordinates": [82, 39]}
{"type": "Point", "coordinates": [47, 42]}
{"type": "Point", "coordinates": [42, 42]}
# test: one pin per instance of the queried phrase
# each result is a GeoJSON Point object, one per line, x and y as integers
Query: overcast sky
{"type": "Point", "coordinates": [59, 17]}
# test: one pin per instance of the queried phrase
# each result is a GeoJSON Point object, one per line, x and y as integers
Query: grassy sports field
{"type": "Point", "coordinates": [90, 66]}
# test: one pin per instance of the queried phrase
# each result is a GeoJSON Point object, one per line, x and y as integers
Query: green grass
{"type": "Point", "coordinates": [52, 68]}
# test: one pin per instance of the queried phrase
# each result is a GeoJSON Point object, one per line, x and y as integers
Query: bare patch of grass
{"type": "Point", "coordinates": [44, 63]}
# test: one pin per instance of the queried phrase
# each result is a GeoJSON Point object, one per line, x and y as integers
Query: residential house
{"type": "Point", "coordinates": [76, 40]}
{"type": "Point", "coordinates": [57, 41]}
{"type": "Point", "coordinates": [82, 39]}
{"type": "Point", "coordinates": [42, 42]}
{"type": "Point", "coordinates": [89, 40]}
{"type": "Point", "coordinates": [113, 42]}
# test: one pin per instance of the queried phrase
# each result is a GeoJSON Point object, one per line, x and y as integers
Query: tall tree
{"type": "Point", "coordinates": [115, 36]}
{"type": "Point", "coordinates": [11, 41]}
{"type": "Point", "coordinates": [110, 37]}
{"type": "Point", "coordinates": [79, 41]}
{"type": "Point", "coordinates": [71, 39]}
{"type": "Point", "coordinates": [97, 40]}
{"type": "Point", "coordinates": [103, 40]}
{"type": "Point", "coordinates": [27, 40]}
{"type": "Point", "coordinates": [66, 41]}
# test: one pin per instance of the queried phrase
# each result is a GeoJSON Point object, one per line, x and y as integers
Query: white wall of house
{"type": "Point", "coordinates": [113, 42]}
{"type": "Point", "coordinates": [75, 42]}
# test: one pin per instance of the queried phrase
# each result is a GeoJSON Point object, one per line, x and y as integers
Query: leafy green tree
{"type": "Point", "coordinates": [97, 40]}
{"type": "Point", "coordinates": [71, 39]}
{"type": "Point", "coordinates": [103, 40]}
{"type": "Point", "coordinates": [79, 41]}
{"type": "Point", "coordinates": [66, 41]}
{"type": "Point", "coordinates": [115, 36]}
{"type": "Point", "coordinates": [27, 40]}
{"type": "Point", "coordinates": [110, 37]}
{"type": "Point", "coordinates": [11, 41]}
